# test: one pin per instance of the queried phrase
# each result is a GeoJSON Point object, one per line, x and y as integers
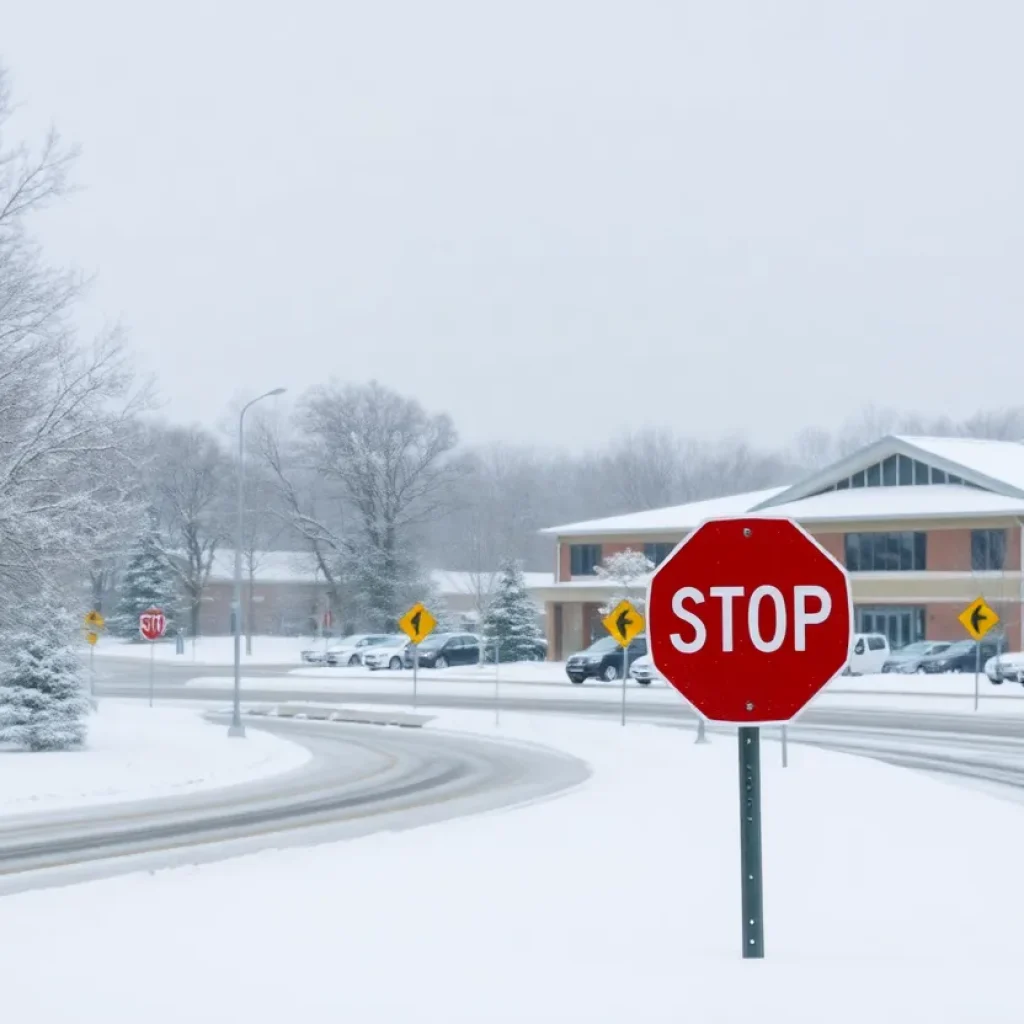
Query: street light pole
{"type": "Point", "coordinates": [236, 728]}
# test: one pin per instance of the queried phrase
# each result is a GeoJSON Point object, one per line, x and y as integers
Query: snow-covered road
{"type": "Point", "coordinates": [616, 901]}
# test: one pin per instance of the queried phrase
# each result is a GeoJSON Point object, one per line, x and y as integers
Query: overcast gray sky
{"type": "Point", "coordinates": [553, 218]}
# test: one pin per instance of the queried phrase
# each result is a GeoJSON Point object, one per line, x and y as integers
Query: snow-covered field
{"type": "Point", "coordinates": [136, 753]}
{"type": "Point", "coordinates": [617, 902]}
{"type": "Point", "coordinates": [214, 650]}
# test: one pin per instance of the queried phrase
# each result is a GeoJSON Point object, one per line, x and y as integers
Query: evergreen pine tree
{"type": "Point", "coordinates": [148, 582]}
{"type": "Point", "coordinates": [511, 619]}
{"type": "Point", "coordinates": [43, 702]}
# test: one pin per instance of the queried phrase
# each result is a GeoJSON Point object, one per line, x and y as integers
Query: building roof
{"type": "Point", "coordinates": [996, 468]}
{"type": "Point", "coordinates": [300, 567]}
{"type": "Point", "coordinates": [671, 519]}
{"type": "Point", "coordinates": [999, 461]}
{"type": "Point", "coordinates": [933, 501]}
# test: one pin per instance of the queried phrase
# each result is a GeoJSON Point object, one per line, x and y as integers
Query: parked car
{"type": "Point", "coordinates": [351, 649]}
{"type": "Point", "coordinates": [868, 653]}
{"type": "Point", "coordinates": [440, 650]}
{"type": "Point", "coordinates": [1007, 667]}
{"type": "Point", "coordinates": [908, 659]}
{"type": "Point", "coordinates": [643, 670]}
{"type": "Point", "coordinates": [960, 656]}
{"type": "Point", "coordinates": [603, 660]}
{"type": "Point", "coordinates": [313, 655]}
{"type": "Point", "coordinates": [390, 654]}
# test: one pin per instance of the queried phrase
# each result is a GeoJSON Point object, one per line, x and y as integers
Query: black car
{"type": "Point", "coordinates": [909, 658]}
{"type": "Point", "coordinates": [603, 660]}
{"type": "Point", "coordinates": [440, 650]}
{"type": "Point", "coordinates": [960, 657]}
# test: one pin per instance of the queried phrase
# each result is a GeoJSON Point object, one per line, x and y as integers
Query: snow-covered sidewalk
{"type": "Point", "coordinates": [616, 902]}
{"type": "Point", "coordinates": [137, 753]}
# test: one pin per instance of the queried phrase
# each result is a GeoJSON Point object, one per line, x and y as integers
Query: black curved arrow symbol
{"type": "Point", "coordinates": [415, 623]}
{"type": "Point", "coordinates": [978, 616]}
{"type": "Point", "coordinates": [622, 622]}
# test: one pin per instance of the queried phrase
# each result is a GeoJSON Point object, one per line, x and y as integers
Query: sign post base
{"type": "Point", "coordinates": [750, 842]}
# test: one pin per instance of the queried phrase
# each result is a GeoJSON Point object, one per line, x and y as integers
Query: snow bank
{"type": "Point", "coordinates": [136, 753]}
{"type": "Point", "coordinates": [617, 902]}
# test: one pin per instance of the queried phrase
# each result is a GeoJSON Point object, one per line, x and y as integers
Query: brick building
{"type": "Point", "coordinates": [923, 524]}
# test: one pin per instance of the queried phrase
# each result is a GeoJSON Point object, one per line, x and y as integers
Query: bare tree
{"type": "Point", "coordinates": [382, 468]}
{"type": "Point", "coordinates": [191, 478]}
{"type": "Point", "coordinates": [66, 410]}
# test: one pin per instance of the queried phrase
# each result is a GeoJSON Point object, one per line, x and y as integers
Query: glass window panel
{"type": "Point", "coordinates": [938, 476]}
{"type": "Point", "coordinates": [890, 471]}
{"type": "Point", "coordinates": [921, 475]}
{"type": "Point", "coordinates": [843, 484]}
{"type": "Point", "coordinates": [906, 551]}
{"type": "Point", "coordinates": [921, 551]}
{"type": "Point", "coordinates": [857, 480]}
{"type": "Point", "coordinates": [874, 475]}
{"type": "Point", "coordinates": [953, 479]}
{"type": "Point", "coordinates": [906, 471]}
{"type": "Point", "coordinates": [852, 551]}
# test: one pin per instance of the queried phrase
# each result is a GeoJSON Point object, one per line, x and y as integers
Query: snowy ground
{"type": "Point", "coordinates": [214, 650]}
{"type": "Point", "coordinates": [136, 753]}
{"type": "Point", "coordinates": [617, 902]}
{"type": "Point", "coordinates": [935, 693]}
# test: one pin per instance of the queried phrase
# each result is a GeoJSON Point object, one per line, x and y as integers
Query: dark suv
{"type": "Point", "coordinates": [440, 650]}
{"type": "Point", "coordinates": [603, 660]}
{"type": "Point", "coordinates": [959, 657]}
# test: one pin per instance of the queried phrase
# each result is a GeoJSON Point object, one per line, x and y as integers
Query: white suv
{"type": "Point", "coordinates": [868, 653]}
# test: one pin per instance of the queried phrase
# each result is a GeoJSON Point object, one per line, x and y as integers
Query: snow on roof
{"type": "Point", "coordinates": [300, 567]}
{"type": "Point", "coordinates": [668, 520]}
{"type": "Point", "coordinates": [1001, 461]}
{"type": "Point", "coordinates": [270, 567]}
{"type": "Point", "coordinates": [453, 582]}
{"type": "Point", "coordinates": [934, 500]}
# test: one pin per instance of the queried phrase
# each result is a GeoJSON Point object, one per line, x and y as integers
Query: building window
{"type": "Point", "coordinates": [583, 558]}
{"type": "Point", "coordinates": [897, 471]}
{"type": "Point", "coordinates": [902, 624]}
{"type": "Point", "coordinates": [658, 551]}
{"type": "Point", "coordinates": [886, 552]}
{"type": "Point", "coordinates": [988, 550]}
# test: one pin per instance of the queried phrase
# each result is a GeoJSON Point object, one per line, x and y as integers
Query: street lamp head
{"type": "Point", "coordinates": [275, 392]}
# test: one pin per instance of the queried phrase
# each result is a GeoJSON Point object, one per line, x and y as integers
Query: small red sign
{"type": "Point", "coordinates": [152, 623]}
{"type": "Point", "coordinates": [749, 618]}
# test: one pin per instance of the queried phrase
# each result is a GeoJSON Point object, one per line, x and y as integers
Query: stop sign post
{"type": "Point", "coordinates": [749, 619]}
{"type": "Point", "coordinates": [152, 625]}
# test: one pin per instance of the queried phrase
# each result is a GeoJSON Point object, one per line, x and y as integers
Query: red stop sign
{"type": "Point", "coordinates": [749, 618]}
{"type": "Point", "coordinates": [152, 623]}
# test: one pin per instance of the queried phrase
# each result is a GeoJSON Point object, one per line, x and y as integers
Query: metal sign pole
{"type": "Point", "coordinates": [415, 671]}
{"type": "Point", "coordinates": [625, 676]}
{"type": "Point", "coordinates": [497, 682]}
{"type": "Point", "coordinates": [977, 671]}
{"type": "Point", "coordinates": [750, 842]}
{"type": "Point", "coordinates": [152, 663]}
{"type": "Point", "coordinates": [92, 676]}
{"type": "Point", "coordinates": [785, 749]}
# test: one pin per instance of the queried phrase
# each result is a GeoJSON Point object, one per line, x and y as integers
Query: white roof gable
{"type": "Point", "coordinates": [998, 461]}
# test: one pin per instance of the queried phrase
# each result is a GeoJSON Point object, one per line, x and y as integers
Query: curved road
{"type": "Point", "coordinates": [363, 779]}
{"type": "Point", "coordinates": [360, 779]}
{"type": "Point", "coordinates": [986, 748]}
